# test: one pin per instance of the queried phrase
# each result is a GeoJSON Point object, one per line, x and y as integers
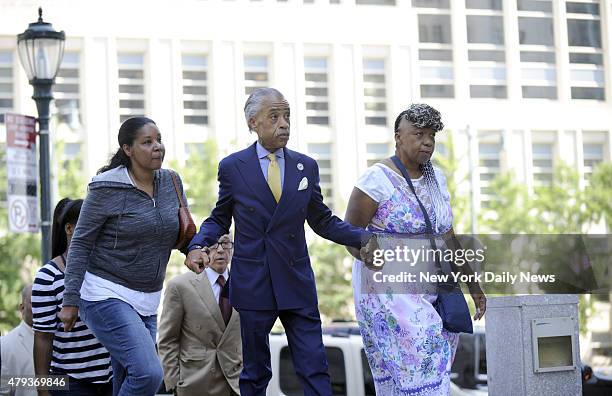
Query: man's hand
{"type": "Point", "coordinates": [68, 316]}
{"type": "Point", "coordinates": [197, 260]}
{"type": "Point", "coordinates": [367, 254]}
{"type": "Point", "coordinates": [480, 300]}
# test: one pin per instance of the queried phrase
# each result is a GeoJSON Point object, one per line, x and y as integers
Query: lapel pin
{"type": "Point", "coordinates": [300, 166]}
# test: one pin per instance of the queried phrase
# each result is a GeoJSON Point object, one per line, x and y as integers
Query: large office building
{"type": "Point", "coordinates": [522, 84]}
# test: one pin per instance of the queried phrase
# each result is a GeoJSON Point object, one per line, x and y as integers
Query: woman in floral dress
{"type": "Point", "coordinates": [408, 350]}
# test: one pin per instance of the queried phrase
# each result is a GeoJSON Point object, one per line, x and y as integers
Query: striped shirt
{"type": "Point", "coordinates": [77, 353]}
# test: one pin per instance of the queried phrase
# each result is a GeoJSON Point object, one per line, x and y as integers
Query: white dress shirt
{"type": "Point", "coordinates": [212, 278]}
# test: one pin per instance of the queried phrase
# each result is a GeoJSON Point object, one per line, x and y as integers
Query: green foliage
{"type": "Point", "coordinates": [599, 193]}
{"type": "Point", "coordinates": [509, 213]}
{"type": "Point", "coordinates": [20, 253]}
{"type": "Point", "coordinates": [561, 208]}
{"type": "Point", "coordinates": [19, 258]}
{"type": "Point", "coordinates": [199, 176]}
{"type": "Point", "coordinates": [332, 266]}
{"type": "Point", "coordinates": [449, 164]}
{"type": "Point", "coordinates": [70, 176]}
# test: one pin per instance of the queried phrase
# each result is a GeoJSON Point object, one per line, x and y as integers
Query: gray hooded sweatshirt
{"type": "Point", "coordinates": [123, 235]}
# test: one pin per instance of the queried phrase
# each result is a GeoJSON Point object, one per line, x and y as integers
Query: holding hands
{"type": "Point", "coordinates": [366, 253]}
{"type": "Point", "coordinates": [199, 259]}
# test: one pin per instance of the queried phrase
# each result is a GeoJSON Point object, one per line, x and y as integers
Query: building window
{"type": "Point", "coordinates": [322, 153]}
{"type": "Point", "coordinates": [131, 85]}
{"type": "Point", "coordinates": [374, 92]}
{"type": "Point", "coordinates": [256, 74]}
{"type": "Point", "coordinates": [6, 83]}
{"type": "Point", "coordinates": [375, 2]}
{"type": "Point", "coordinates": [542, 162]}
{"type": "Point", "coordinates": [66, 90]}
{"type": "Point", "coordinates": [483, 4]}
{"type": "Point", "coordinates": [489, 164]}
{"type": "Point", "coordinates": [195, 89]}
{"type": "Point", "coordinates": [317, 91]}
{"type": "Point", "coordinates": [593, 151]}
{"type": "Point", "coordinates": [537, 46]}
{"type": "Point", "coordinates": [437, 77]}
{"type": "Point", "coordinates": [535, 5]}
{"type": "Point", "coordinates": [587, 74]}
{"type": "Point", "coordinates": [435, 29]}
{"type": "Point", "coordinates": [445, 4]}
{"type": "Point", "coordinates": [486, 51]}
{"type": "Point", "coordinates": [376, 152]}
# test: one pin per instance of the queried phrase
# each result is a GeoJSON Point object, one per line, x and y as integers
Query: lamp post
{"type": "Point", "coordinates": [41, 50]}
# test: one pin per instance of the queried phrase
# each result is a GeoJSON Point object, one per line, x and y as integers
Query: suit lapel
{"type": "Point", "coordinates": [235, 317]}
{"type": "Point", "coordinates": [290, 184]}
{"type": "Point", "coordinates": [250, 169]}
{"type": "Point", "coordinates": [202, 287]}
{"type": "Point", "coordinates": [23, 336]}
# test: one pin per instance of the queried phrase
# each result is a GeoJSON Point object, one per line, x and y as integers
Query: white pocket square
{"type": "Point", "coordinates": [303, 184]}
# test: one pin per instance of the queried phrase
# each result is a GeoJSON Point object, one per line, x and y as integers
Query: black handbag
{"type": "Point", "coordinates": [450, 304]}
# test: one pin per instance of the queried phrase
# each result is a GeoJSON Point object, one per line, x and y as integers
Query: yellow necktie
{"type": "Point", "coordinates": [274, 178]}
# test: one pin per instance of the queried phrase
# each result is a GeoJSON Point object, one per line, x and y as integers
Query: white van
{"type": "Point", "coordinates": [348, 366]}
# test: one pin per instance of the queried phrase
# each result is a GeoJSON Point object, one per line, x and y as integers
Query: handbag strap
{"type": "Point", "coordinates": [176, 188]}
{"type": "Point", "coordinates": [428, 226]}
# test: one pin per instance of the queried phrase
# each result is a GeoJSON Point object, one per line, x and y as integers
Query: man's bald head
{"type": "Point", "coordinates": [26, 304]}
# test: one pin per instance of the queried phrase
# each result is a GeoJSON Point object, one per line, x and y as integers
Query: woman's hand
{"type": "Point", "coordinates": [367, 254]}
{"type": "Point", "coordinates": [68, 316]}
{"type": "Point", "coordinates": [480, 300]}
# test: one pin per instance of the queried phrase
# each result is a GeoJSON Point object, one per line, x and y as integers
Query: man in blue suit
{"type": "Point", "coordinates": [270, 191]}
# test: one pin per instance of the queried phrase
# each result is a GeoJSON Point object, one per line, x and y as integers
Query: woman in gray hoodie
{"type": "Point", "coordinates": [117, 259]}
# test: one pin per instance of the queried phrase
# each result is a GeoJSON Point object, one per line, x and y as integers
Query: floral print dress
{"type": "Point", "coordinates": [408, 350]}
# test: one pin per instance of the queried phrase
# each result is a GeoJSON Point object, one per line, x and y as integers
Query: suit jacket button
{"type": "Point", "coordinates": [303, 210]}
{"type": "Point", "coordinates": [291, 236]}
{"type": "Point", "coordinates": [291, 263]}
{"type": "Point", "coordinates": [251, 209]}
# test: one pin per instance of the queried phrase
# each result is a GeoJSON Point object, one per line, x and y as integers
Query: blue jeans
{"type": "Point", "coordinates": [130, 340]}
{"type": "Point", "coordinates": [83, 388]}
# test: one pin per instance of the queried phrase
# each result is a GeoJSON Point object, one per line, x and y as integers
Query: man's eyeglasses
{"type": "Point", "coordinates": [225, 245]}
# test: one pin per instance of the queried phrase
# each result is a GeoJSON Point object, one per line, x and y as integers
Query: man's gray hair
{"type": "Point", "coordinates": [255, 100]}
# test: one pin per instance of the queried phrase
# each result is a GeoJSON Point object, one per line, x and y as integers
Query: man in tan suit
{"type": "Point", "coordinates": [16, 349]}
{"type": "Point", "coordinates": [199, 333]}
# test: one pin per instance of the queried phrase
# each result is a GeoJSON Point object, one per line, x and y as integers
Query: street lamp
{"type": "Point", "coordinates": [41, 50]}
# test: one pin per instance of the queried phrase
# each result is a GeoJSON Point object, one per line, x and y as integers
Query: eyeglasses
{"type": "Point", "coordinates": [224, 245]}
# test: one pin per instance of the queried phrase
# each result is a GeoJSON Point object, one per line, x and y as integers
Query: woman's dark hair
{"type": "Point", "coordinates": [421, 115]}
{"type": "Point", "coordinates": [127, 135]}
{"type": "Point", "coordinates": [66, 212]}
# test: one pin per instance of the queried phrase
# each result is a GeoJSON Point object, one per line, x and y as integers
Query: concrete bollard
{"type": "Point", "coordinates": [532, 345]}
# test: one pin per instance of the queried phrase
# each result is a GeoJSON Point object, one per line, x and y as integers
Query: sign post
{"type": "Point", "coordinates": [22, 175]}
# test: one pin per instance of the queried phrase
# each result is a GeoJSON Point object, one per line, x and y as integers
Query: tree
{"type": "Point", "coordinates": [199, 176]}
{"type": "Point", "coordinates": [19, 258]}
{"type": "Point", "coordinates": [598, 194]}
{"type": "Point", "coordinates": [460, 203]}
{"type": "Point", "coordinates": [20, 253]}
{"type": "Point", "coordinates": [332, 266]}
{"type": "Point", "coordinates": [70, 175]}
{"type": "Point", "coordinates": [509, 212]}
